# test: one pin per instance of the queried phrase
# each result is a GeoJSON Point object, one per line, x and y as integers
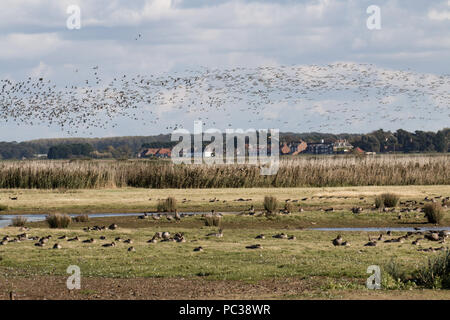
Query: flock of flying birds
{"type": "Point", "coordinates": [311, 98]}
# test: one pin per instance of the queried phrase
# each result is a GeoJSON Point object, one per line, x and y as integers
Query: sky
{"type": "Point", "coordinates": [165, 37]}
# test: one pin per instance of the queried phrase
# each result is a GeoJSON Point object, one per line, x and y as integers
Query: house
{"type": "Point", "coordinates": [293, 148]}
{"type": "Point", "coordinates": [155, 153]}
{"type": "Point", "coordinates": [320, 148]}
{"type": "Point", "coordinates": [208, 154]}
{"type": "Point", "coordinates": [150, 152]}
{"type": "Point", "coordinates": [284, 150]}
{"type": "Point", "coordinates": [342, 146]}
{"type": "Point", "coordinates": [298, 147]}
{"type": "Point", "coordinates": [40, 156]}
{"type": "Point", "coordinates": [164, 153]}
{"type": "Point", "coordinates": [358, 150]}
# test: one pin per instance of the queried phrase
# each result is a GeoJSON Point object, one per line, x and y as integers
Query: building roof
{"type": "Point", "coordinates": [151, 152]}
{"type": "Point", "coordinates": [164, 151]}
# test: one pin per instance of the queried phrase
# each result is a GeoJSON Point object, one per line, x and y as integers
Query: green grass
{"type": "Point", "coordinates": [278, 258]}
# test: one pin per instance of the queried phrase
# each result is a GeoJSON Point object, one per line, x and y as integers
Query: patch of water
{"type": "Point", "coordinates": [6, 220]}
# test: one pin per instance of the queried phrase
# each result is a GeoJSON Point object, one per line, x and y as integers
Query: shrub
{"type": "Point", "coordinates": [435, 274]}
{"type": "Point", "coordinates": [3, 207]}
{"type": "Point", "coordinates": [270, 204]}
{"type": "Point", "coordinates": [394, 278]}
{"type": "Point", "coordinates": [56, 220]}
{"type": "Point", "coordinates": [81, 218]}
{"type": "Point", "coordinates": [19, 221]}
{"type": "Point", "coordinates": [215, 221]}
{"type": "Point", "coordinates": [433, 212]}
{"type": "Point", "coordinates": [393, 269]}
{"type": "Point", "coordinates": [388, 200]}
{"type": "Point", "coordinates": [379, 203]}
{"type": "Point", "coordinates": [167, 205]}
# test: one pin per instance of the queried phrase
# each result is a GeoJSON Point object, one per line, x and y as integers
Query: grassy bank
{"type": "Point", "coordinates": [140, 200]}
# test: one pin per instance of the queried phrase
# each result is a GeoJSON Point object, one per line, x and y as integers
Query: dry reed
{"type": "Point", "coordinates": [312, 171]}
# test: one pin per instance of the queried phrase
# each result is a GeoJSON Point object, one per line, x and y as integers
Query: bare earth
{"type": "Point", "coordinates": [54, 288]}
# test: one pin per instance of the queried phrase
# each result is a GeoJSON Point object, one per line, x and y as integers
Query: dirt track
{"type": "Point", "coordinates": [54, 287]}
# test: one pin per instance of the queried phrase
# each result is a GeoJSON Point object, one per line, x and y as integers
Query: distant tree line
{"type": "Point", "coordinates": [383, 141]}
{"type": "Point", "coordinates": [126, 147]}
{"type": "Point", "coordinates": [68, 151]}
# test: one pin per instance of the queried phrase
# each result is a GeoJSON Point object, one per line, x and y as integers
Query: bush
{"type": "Point", "coordinates": [19, 221]}
{"type": "Point", "coordinates": [436, 274]}
{"type": "Point", "coordinates": [270, 204]}
{"type": "Point", "coordinates": [379, 203]}
{"type": "Point", "coordinates": [56, 220]}
{"type": "Point", "coordinates": [167, 205]}
{"type": "Point", "coordinates": [213, 221]}
{"type": "Point", "coordinates": [393, 269]}
{"type": "Point", "coordinates": [81, 218]}
{"type": "Point", "coordinates": [388, 200]}
{"type": "Point", "coordinates": [394, 278]}
{"type": "Point", "coordinates": [433, 212]}
{"type": "Point", "coordinates": [433, 275]}
{"type": "Point", "coordinates": [3, 207]}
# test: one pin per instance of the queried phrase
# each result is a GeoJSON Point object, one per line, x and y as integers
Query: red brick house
{"type": "Point", "coordinates": [293, 148]}
{"type": "Point", "coordinates": [156, 153]}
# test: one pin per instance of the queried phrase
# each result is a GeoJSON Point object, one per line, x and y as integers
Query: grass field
{"type": "Point", "coordinates": [324, 271]}
{"type": "Point", "coordinates": [307, 267]}
{"type": "Point", "coordinates": [223, 199]}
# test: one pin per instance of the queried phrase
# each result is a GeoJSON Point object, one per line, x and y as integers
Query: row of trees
{"type": "Point", "coordinates": [383, 141]}
{"type": "Point", "coordinates": [404, 141]}
{"type": "Point", "coordinates": [66, 151]}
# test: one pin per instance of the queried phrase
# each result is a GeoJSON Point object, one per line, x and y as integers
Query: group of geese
{"type": "Point", "coordinates": [420, 236]}
{"type": "Point", "coordinates": [175, 217]}
{"type": "Point", "coordinates": [417, 238]}
{"type": "Point", "coordinates": [96, 101]}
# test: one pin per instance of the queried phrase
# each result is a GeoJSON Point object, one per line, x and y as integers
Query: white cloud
{"type": "Point", "coordinates": [41, 70]}
{"type": "Point", "coordinates": [23, 46]}
{"type": "Point", "coordinates": [439, 15]}
{"type": "Point", "coordinates": [177, 35]}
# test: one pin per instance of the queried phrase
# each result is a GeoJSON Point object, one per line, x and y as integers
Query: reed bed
{"type": "Point", "coordinates": [19, 221]}
{"type": "Point", "coordinates": [319, 171]}
{"type": "Point", "coordinates": [56, 220]}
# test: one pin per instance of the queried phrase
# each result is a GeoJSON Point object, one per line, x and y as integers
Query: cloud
{"type": "Point", "coordinates": [439, 15]}
{"type": "Point", "coordinates": [28, 46]}
{"type": "Point", "coordinates": [189, 34]}
{"type": "Point", "coordinates": [41, 70]}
